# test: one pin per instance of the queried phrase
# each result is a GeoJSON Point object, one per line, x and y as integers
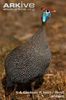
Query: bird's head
{"type": "Point", "coordinates": [46, 14]}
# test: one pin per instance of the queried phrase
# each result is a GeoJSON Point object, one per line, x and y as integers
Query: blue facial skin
{"type": "Point", "coordinates": [45, 16]}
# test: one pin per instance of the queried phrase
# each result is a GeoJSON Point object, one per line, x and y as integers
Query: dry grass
{"type": "Point", "coordinates": [15, 27]}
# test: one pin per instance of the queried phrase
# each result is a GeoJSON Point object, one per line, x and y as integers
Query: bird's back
{"type": "Point", "coordinates": [27, 62]}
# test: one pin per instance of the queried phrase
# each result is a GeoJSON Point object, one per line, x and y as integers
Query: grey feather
{"type": "Point", "coordinates": [30, 60]}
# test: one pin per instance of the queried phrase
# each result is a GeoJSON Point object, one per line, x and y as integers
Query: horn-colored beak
{"type": "Point", "coordinates": [53, 11]}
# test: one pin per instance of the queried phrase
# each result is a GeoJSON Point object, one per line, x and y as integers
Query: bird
{"type": "Point", "coordinates": [27, 63]}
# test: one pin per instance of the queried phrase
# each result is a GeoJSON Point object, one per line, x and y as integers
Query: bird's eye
{"type": "Point", "coordinates": [47, 10]}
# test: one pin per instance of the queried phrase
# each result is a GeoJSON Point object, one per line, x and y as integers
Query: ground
{"type": "Point", "coordinates": [17, 26]}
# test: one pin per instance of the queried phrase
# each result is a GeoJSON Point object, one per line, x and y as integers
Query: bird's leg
{"type": "Point", "coordinates": [7, 94]}
{"type": "Point", "coordinates": [9, 87]}
{"type": "Point", "coordinates": [8, 97]}
{"type": "Point", "coordinates": [33, 95]}
{"type": "Point", "coordinates": [13, 97]}
{"type": "Point", "coordinates": [38, 82]}
{"type": "Point", "coordinates": [32, 89]}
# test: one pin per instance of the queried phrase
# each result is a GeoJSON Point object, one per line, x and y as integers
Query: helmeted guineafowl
{"type": "Point", "coordinates": [28, 62]}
